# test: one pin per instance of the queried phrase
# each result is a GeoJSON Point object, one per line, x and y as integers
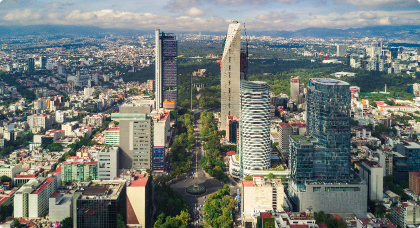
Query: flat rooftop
{"type": "Point", "coordinates": [96, 189]}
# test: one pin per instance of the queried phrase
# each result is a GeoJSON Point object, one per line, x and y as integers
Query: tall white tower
{"type": "Point", "coordinates": [231, 73]}
{"type": "Point", "coordinates": [254, 134]}
{"type": "Point", "coordinates": [158, 71]}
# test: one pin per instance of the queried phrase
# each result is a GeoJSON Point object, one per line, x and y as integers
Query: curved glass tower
{"type": "Point", "coordinates": [254, 136]}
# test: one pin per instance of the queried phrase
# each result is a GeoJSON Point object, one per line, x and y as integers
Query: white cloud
{"type": "Point", "coordinates": [270, 20]}
{"type": "Point", "coordinates": [381, 3]}
{"type": "Point", "coordinates": [182, 4]}
{"type": "Point", "coordinates": [194, 12]}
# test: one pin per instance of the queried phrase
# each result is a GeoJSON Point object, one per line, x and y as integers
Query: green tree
{"type": "Point", "coordinates": [66, 223]}
{"type": "Point", "coordinates": [5, 178]}
{"type": "Point", "coordinates": [16, 223]}
{"type": "Point", "coordinates": [120, 221]}
{"type": "Point", "coordinates": [270, 176]}
{"type": "Point", "coordinates": [248, 178]}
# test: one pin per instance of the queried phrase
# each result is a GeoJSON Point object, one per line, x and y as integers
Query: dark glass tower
{"type": "Point", "coordinates": [166, 68]}
{"type": "Point", "coordinates": [325, 154]}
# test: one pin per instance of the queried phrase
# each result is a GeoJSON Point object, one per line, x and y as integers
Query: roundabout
{"type": "Point", "coordinates": [195, 189]}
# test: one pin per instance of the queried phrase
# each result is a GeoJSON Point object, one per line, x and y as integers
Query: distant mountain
{"type": "Point", "coordinates": [405, 32]}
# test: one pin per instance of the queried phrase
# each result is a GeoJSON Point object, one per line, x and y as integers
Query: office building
{"type": "Point", "coordinates": [230, 73]}
{"type": "Point", "coordinates": [10, 170]}
{"type": "Point", "coordinates": [406, 159]}
{"type": "Point", "coordinates": [112, 136]}
{"type": "Point", "coordinates": [405, 214]}
{"type": "Point", "coordinates": [79, 169]}
{"type": "Point", "coordinates": [254, 136]}
{"type": "Point", "coordinates": [285, 130]}
{"type": "Point", "coordinates": [107, 163]}
{"type": "Point", "coordinates": [136, 139]}
{"type": "Point", "coordinates": [296, 87]}
{"type": "Point", "coordinates": [60, 207]}
{"type": "Point", "coordinates": [166, 90]}
{"type": "Point", "coordinates": [31, 64]}
{"type": "Point", "coordinates": [414, 182]}
{"type": "Point", "coordinates": [232, 129]}
{"type": "Point", "coordinates": [341, 50]}
{"type": "Point", "coordinates": [320, 163]}
{"type": "Point", "coordinates": [40, 123]}
{"type": "Point", "coordinates": [98, 204]}
{"type": "Point", "coordinates": [139, 201]}
{"type": "Point", "coordinates": [262, 195]}
{"type": "Point", "coordinates": [61, 69]}
{"type": "Point", "coordinates": [161, 136]}
{"type": "Point", "coordinates": [373, 174]}
{"type": "Point", "coordinates": [32, 199]}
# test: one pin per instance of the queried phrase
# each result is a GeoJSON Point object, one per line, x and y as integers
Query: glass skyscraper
{"type": "Point", "coordinates": [328, 120]}
{"type": "Point", "coordinates": [165, 69]}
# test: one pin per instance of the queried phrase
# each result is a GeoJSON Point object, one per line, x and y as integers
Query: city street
{"type": "Point", "coordinates": [200, 177]}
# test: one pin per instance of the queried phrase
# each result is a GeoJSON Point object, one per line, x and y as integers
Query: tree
{"type": "Point", "coordinates": [67, 223]}
{"type": "Point", "coordinates": [248, 178]}
{"type": "Point", "coordinates": [16, 223]}
{"type": "Point", "coordinates": [5, 178]}
{"type": "Point", "coordinates": [270, 176]}
{"type": "Point", "coordinates": [222, 133]}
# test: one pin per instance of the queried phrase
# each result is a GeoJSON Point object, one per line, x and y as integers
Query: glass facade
{"type": "Point", "coordinates": [169, 66]}
{"type": "Point", "coordinates": [325, 154]}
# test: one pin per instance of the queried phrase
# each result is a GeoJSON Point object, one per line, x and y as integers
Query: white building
{"type": "Point", "coordinates": [373, 174]}
{"type": "Point", "coordinates": [10, 170]}
{"type": "Point", "coordinates": [60, 206]}
{"type": "Point", "coordinates": [405, 214]}
{"type": "Point", "coordinates": [231, 73]}
{"type": "Point", "coordinates": [341, 49]}
{"type": "Point", "coordinates": [161, 128]}
{"type": "Point", "coordinates": [108, 163]}
{"type": "Point", "coordinates": [254, 135]}
{"type": "Point", "coordinates": [88, 91]}
{"type": "Point", "coordinates": [60, 116]}
{"type": "Point", "coordinates": [32, 199]}
{"type": "Point", "coordinates": [261, 195]}
{"type": "Point", "coordinates": [294, 87]}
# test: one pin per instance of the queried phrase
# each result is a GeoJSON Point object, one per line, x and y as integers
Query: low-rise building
{"type": "Point", "coordinates": [31, 200]}
{"type": "Point", "coordinates": [79, 169]}
{"type": "Point", "coordinates": [60, 206]}
{"type": "Point", "coordinates": [10, 170]}
{"type": "Point", "coordinates": [405, 214]}
{"type": "Point", "coordinates": [262, 195]}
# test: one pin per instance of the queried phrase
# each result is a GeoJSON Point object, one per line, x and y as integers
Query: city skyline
{"type": "Point", "coordinates": [214, 15]}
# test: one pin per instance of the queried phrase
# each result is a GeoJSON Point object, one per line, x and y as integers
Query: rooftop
{"type": "Point", "coordinates": [96, 189]}
{"type": "Point", "coordinates": [140, 180]}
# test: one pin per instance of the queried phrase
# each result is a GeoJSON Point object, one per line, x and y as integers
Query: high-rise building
{"type": "Point", "coordinates": [139, 201]}
{"type": "Point", "coordinates": [230, 73]}
{"type": "Point", "coordinates": [341, 49]}
{"type": "Point", "coordinates": [296, 87]}
{"type": "Point", "coordinates": [165, 69]}
{"type": "Point", "coordinates": [43, 62]}
{"type": "Point", "coordinates": [79, 169]}
{"type": "Point", "coordinates": [31, 64]}
{"type": "Point", "coordinates": [99, 203]}
{"type": "Point", "coordinates": [373, 174]}
{"type": "Point", "coordinates": [135, 136]}
{"type": "Point", "coordinates": [107, 163]}
{"type": "Point", "coordinates": [254, 136]}
{"type": "Point", "coordinates": [320, 163]}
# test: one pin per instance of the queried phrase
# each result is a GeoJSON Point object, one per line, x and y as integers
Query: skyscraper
{"type": "Point", "coordinates": [294, 87]}
{"type": "Point", "coordinates": [320, 174]}
{"type": "Point", "coordinates": [341, 49]}
{"type": "Point", "coordinates": [31, 64]}
{"type": "Point", "coordinates": [254, 136]}
{"type": "Point", "coordinates": [136, 140]}
{"type": "Point", "coordinates": [230, 73]}
{"type": "Point", "coordinates": [165, 69]}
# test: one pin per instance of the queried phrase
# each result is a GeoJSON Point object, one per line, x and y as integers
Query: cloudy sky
{"type": "Point", "coordinates": [211, 15]}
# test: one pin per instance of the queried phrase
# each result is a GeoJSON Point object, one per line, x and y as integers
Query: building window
{"type": "Point", "coordinates": [317, 189]}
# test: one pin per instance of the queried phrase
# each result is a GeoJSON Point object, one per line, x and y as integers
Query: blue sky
{"type": "Point", "coordinates": [211, 15]}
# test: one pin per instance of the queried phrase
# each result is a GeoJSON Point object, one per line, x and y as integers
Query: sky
{"type": "Point", "coordinates": [211, 15]}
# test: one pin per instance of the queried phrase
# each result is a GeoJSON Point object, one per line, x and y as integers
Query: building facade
{"type": "Point", "coordinates": [136, 139]}
{"type": "Point", "coordinates": [108, 163]}
{"type": "Point", "coordinates": [79, 169]}
{"type": "Point", "coordinates": [165, 68]}
{"type": "Point", "coordinates": [373, 174]}
{"type": "Point", "coordinates": [406, 213]}
{"type": "Point", "coordinates": [321, 177]}
{"type": "Point", "coordinates": [230, 73]}
{"type": "Point", "coordinates": [254, 137]}
{"type": "Point", "coordinates": [139, 202]}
